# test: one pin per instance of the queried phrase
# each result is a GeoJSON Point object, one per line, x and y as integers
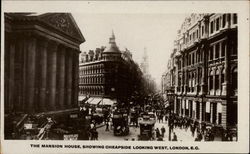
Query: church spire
{"type": "Point", "coordinates": [112, 44]}
{"type": "Point", "coordinates": [113, 35]}
{"type": "Point", "coordinates": [112, 38]}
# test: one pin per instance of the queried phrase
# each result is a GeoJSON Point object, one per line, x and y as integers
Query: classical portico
{"type": "Point", "coordinates": [41, 62]}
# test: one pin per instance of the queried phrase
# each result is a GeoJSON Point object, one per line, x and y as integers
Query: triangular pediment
{"type": "Point", "coordinates": [63, 22]}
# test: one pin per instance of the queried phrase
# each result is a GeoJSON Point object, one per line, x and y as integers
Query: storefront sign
{"type": "Point", "coordinates": [28, 126]}
{"type": "Point", "coordinates": [70, 137]}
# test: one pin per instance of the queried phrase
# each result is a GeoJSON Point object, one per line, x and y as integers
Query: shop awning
{"type": "Point", "coordinates": [95, 101]}
{"type": "Point", "coordinates": [80, 98]}
{"type": "Point", "coordinates": [107, 101]}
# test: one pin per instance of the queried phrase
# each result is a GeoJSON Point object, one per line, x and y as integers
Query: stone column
{"type": "Point", "coordinates": [197, 81]}
{"type": "Point", "coordinates": [214, 90]}
{"type": "Point", "coordinates": [203, 78]}
{"type": "Point", "coordinates": [75, 77]}
{"type": "Point", "coordinates": [194, 109]}
{"type": "Point", "coordinates": [184, 109]}
{"type": "Point", "coordinates": [180, 102]}
{"type": "Point", "coordinates": [201, 111]}
{"type": "Point", "coordinates": [190, 108]}
{"type": "Point", "coordinates": [31, 59]}
{"type": "Point", "coordinates": [220, 81]}
{"type": "Point", "coordinates": [61, 77]}
{"type": "Point", "coordinates": [175, 106]}
{"type": "Point", "coordinates": [186, 82]}
{"type": "Point", "coordinates": [68, 74]}
{"type": "Point", "coordinates": [43, 77]}
{"type": "Point", "coordinates": [217, 113]}
{"type": "Point", "coordinates": [52, 75]}
{"type": "Point", "coordinates": [10, 63]}
{"type": "Point", "coordinates": [226, 75]}
{"type": "Point", "coordinates": [211, 112]}
{"type": "Point", "coordinates": [224, 114]}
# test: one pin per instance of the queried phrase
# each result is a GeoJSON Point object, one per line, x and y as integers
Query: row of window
{"type": "Point", "coordinates": [215, 80]}
{"type": "Point", "coordinates": [91, 69]}
{"type": "Point", "coordinates": [191, 80]}
{"type": "Point", "coordinates": [91, 80]}
{"type": "Point", "coordinates": [215, 25]}
{"type": "Point", "coordinates": [216, 50]}
{"type": "Point", "coordinates": [192, 37]}
{"type": "Point", "coordinates": [220, 22]}
{"type": "Point", "coordinates": [91, 90]}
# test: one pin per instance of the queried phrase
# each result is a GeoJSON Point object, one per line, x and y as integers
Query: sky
{"type": "Point", "coordinates": [155, 32]}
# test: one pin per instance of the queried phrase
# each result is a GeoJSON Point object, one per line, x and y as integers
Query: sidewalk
{"type": "Point", "coordinates": [182, 134]}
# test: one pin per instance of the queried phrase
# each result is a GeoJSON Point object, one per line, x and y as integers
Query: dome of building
{"type": "Point", "coordinates": [112, 47]}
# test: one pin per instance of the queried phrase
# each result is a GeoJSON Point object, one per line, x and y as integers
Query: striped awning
{"type": "Point", "coordinates": [107, 101]}
{"type": "Point", "coordinates": [80, 98]}
{"type": "Point", "coordinates": [95, 101]}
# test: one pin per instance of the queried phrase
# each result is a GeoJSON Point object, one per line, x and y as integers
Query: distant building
{"type": "Point", "coordinates": [109, 73]}
{"type": "Point", "coordinates": [144, 64]}
{"type": "Point", "coordinates": [150, 85]}
{"type": "Point", "coordinates": [204, 70]}
{"type": "Point", "coordinates": [41, 62]}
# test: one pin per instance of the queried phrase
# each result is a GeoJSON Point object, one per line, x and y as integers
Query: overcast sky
{"type": "Point", "coordinates": [155, 32]}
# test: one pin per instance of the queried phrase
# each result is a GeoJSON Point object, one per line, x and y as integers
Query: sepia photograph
{"type": "Point", "coordinates": [167, 78]}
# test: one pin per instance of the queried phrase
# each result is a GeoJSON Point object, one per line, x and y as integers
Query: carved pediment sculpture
{"type": "Point", "coordinates": [63, 22]}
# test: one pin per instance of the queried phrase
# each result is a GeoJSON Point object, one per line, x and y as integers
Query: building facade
{"type": "Point", "coordinates": [109, 73]}
{"type": "Point", "coordinates": [150, 85]}
{"type": "Point", "coordinates": [41, 62]}
{"type": "Point", "coordinates": [204, 67]}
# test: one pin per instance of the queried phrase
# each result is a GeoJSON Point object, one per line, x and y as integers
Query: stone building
{"type": "Point", "coordinates": [41, 64]}
{"type": "Point", "coordinates": [205, 70]}
{"type": "Point", "coordinates": [109, 73]}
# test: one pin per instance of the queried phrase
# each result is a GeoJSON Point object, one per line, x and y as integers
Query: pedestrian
{"type": "Point", "coordinates": [157, 133]}
{"type": "Point", "coordinates": [159, 119]}
{"type": "Point", "coordinates": [96, 135]}
{"type": "Point", "coordinates": [92, 134]}
{"type": "Point", "coordinates": [199, 136]}
{"type": "Point", "coordinates": [107, 125]}
{"type": "Point", "coordinates": [163, 130]}
{"type": "Point", "coordinates": [175, 137]}
{"type": "Point", "coordinates": [192, 127]}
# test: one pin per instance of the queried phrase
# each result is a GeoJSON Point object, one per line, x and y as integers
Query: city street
{"type": "Point", "coordinates": [109, 135]}
{"type": "Point", "coordinates": [72, 94]}
{"type": "Point", "coordinates": [182, 135]}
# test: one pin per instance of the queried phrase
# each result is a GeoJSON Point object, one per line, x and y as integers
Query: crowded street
{"type": "Point", "coordinates": [118, 90]}
{"type": "Point", "coordinates": [184, 135]}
